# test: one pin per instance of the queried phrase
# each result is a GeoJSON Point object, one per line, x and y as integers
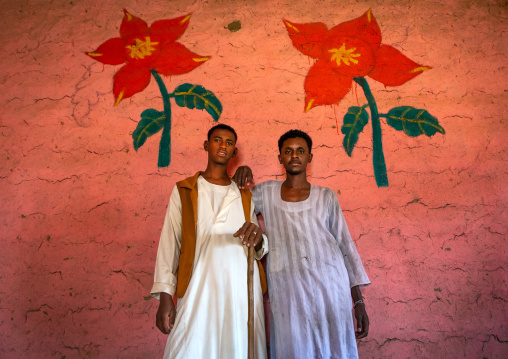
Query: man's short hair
{"type": "Point", "coordinates": [295, 134]}
{"type": "Point", "coordinates": [221, 126]}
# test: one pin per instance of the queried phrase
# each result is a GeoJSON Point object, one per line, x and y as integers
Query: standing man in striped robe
{"type": "Point", "coordinates": [314, 270]}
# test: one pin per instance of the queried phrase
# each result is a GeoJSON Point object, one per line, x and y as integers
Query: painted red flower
{"type": "Point", "coordinates": [144, 48]}
{"type": "Point", "coordinates": [350, 49]}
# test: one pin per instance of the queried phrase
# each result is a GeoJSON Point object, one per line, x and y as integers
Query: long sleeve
{"type": "Point", "coordinates": [257, 197]}
{"type": "Point", "coordinates": [168, 254]}
{"type": "Point", "coordinates": [352, 260]}
{"type": "Point", "coordinates": [264, 249]}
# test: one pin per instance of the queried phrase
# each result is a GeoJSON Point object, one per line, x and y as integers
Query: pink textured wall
{"type": "Point", "coordinates": [81, 211]}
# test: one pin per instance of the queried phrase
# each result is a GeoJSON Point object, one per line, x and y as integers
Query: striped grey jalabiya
{"type": "Point", "coordinates": [312, 265]}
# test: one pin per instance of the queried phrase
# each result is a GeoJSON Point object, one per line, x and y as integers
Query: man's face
{"type": "Point", "coordinates": [294, 155]}
{"type": "Point", "coordinates": [221, 147]}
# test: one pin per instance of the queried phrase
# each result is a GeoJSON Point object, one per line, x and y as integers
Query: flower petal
{"type": "Point", "coordinates": [393, 68]}
{"type": "Point", "coordinates": [307, 37]}
{"type": "Point", "coordinates": [132, 25]}
{"type": "Point", "coordinates": [324, 86]}
{"type": "Point", "coordinates": [110, 52]}
{"type": "Point", "coordinates": [170, 30]}
{"type": "Point", "coordinates": [129, 80]}
{"type": "Point", "coordinates": [176, 59]}
{"type": "Point", "coordinates": [365, 27]}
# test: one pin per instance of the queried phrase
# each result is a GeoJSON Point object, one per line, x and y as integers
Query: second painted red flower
{"type": "Point", "coordinates": [350, 49]}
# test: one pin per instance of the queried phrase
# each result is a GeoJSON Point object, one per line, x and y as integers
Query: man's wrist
{"type": "Point", "coordinates": [259, 246]}
{"type": "Point", "coordinates": [359, 301]}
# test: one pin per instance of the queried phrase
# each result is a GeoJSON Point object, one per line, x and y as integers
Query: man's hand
{"type": "Point", "coordinates": [166, 314]}
{"type": "Point", "coordinates": [362, 321]}
{"type": "Point", "coordinates": [243, 176]}
{"type": "Point", "coordinates": [250, 235]}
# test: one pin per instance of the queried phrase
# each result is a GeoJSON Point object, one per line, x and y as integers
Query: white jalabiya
{"type": "Point", "coordinates": [211, 319]}
{"type": "Point", "coordinates": [312, 265]}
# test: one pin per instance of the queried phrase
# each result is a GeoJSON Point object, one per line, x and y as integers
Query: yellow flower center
{"type": "Point", "coordinates": [344, 55]}
{"type": "Point", "coordinates": [142, 48]}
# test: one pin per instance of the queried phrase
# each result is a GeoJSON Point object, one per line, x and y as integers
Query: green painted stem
{"type": "Point", "coordinates": [378, 156]}
{"type": "Point", "coordinates": [165, 144]}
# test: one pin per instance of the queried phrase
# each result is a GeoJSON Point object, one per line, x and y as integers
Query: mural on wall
{"type": "Point", "coordinates": [152, 51]}
{"type": "Point", "coordinates": [348, 52]}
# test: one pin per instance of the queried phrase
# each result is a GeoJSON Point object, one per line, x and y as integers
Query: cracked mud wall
{"type": "Point", "coordinates": [81, 211]}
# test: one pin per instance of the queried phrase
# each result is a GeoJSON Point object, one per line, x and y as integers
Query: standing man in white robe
{"type": "Point", "coordinates": [314, 270]}
{"type": "Point", "coordinates": [210, 320]}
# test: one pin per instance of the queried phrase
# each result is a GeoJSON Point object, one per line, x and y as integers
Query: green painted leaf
{"type": "Point", "coordinates": [354, 121]}
{"type": "Point", "coordinates": [196, 96]}
{"type": "Point", "coordinates": [151, 122]}
{"type": "Point", "coordinates": [413, 121]}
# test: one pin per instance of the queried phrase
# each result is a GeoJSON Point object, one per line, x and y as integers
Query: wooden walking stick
{"type": "Point", "coordinates": [246, 201]}
{"type": "Point", "coordinates": [250, 289]}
